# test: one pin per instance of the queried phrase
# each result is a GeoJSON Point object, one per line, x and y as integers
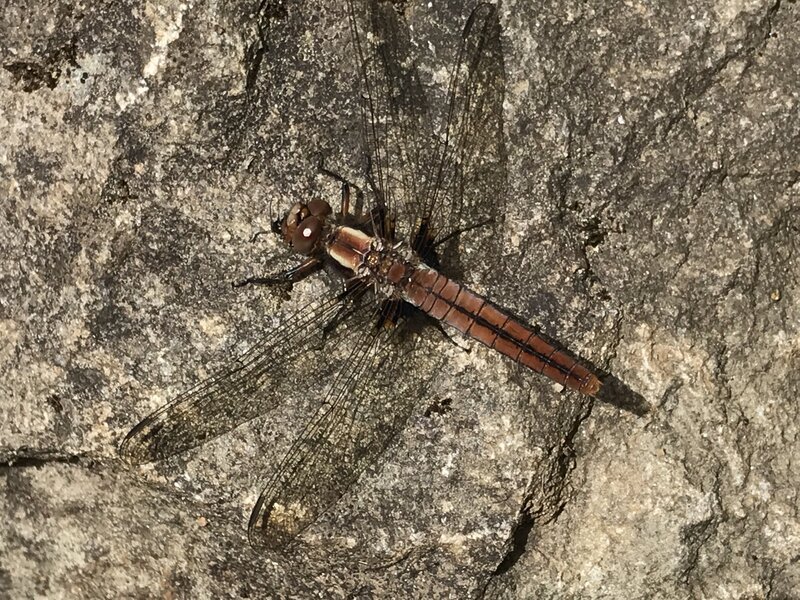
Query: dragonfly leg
{"type": "Point", "coordinates": [354, 286]}
{"type": "Point", "coordinates": [450, 338]}
{"type": "Point", "coordinates": [344, 208]}
{"type": "Point", "coordinates": [346, 187]}
{"type": "Point", "coordinates": [287, 277]}
{"type": "Point", "coordinates": [376, 217]}
{"type": "Point", "coordinates": [453, 234]}
{"type": "Point", "coordinates": [257, 234]}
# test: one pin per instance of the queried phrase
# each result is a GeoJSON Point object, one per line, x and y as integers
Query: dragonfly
{"type": "Point", "coordinates": [392, 242]}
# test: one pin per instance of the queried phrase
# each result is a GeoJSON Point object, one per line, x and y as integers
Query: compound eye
{"type": "Point", "coordinates": [296, 214]}
{"type": "Point", "coordinates": [292, 220]}
{"type": "Point", "coordinates": [319, 208]}
{"type": "Point", "coordinates": [306, 236]}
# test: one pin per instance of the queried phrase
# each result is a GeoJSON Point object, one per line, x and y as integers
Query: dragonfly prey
{"type": "Point", "coordinates": [393, 243]}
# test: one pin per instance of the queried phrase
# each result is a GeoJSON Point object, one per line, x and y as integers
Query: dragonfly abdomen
{"type": "Point", "coordinates": [454, 304]}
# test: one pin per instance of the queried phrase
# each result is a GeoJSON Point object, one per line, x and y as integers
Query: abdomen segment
{"type": "Point", "coordinates": [452, 303]}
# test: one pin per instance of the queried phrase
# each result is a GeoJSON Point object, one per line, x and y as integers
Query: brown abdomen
{"type": "Point", "coordinates": [452, 303]}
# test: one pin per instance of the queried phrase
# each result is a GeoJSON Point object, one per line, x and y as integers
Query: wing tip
{"type": "Point", "coordinates": [272, 527]}
{"type": "Point", "coordinates": [130, 451]}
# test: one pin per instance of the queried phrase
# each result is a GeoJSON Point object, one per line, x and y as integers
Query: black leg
{"type": "Point", "coordinates": [345, 309]}
{"type": "Point", "coordinates": [287, 277]}
{"type": "Point", "coordinates": [383, 222]}
{"type": "Point", "coordinates": [257, 234]}
{"type": "Point", "coordinates": [346, 187]}
{"type": "Point", "coordinates": [453, 234]}
{"type": "Point", "coordinates": [449, 337]}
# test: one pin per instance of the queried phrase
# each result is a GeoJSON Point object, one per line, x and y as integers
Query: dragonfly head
{"type": "Point", "coordinates": [302, 226]}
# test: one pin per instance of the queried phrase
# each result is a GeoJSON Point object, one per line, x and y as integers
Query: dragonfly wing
{"type": "Point", "coordinates": [394, 111]}
{"type": "Point", "coordinates": [247, 388]}
{"type": "Point", "coordinates": [468, 187]}
{"type": "Point", "coordinates": [360, 415]}
{"type": "Point", "coordinates": [438, 178]}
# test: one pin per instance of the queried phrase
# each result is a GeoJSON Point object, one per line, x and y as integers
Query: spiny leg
{"type": "Point", "coordinates": [287, 277]}
{"type": "Point", "coordinates": [259, 233]}
{"type": "Point", "coordinates": [449, 338]}
{"type": "Point", "coordinates": [345, 308]}
{"type": "Point", "coordinates": [346, 187]}
{"type": "Point", "coordinates": [453, 234]}
{"type": "Point", "coordinates": [425, 242]}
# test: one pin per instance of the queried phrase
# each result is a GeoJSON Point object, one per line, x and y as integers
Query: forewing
{"type": "Point", "coordinates": [443, 179]}
{"type": "Point", "coordinates": [368, 403]}
{"type": "Point", "coordinates": [393, 107]}
{"type": "Point", "coordinates": [247, 388]}
{"type": "Point", "coordinates": [467, 188]}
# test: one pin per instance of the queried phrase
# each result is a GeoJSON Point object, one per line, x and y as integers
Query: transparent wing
{"type": "Point", "coordinates": [365, 407]}
{"type": "Point", "coordinates": [393, 109]}
{"type": "Point", "coordinates": [247, 388]}
{"type": "Point", "coordinates": [437, 185]}
{"type": "Point", "coordinates": [467, 189]}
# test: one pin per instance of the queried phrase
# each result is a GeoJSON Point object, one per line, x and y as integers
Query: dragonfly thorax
{"type": "Point", "coordinates": [385, 265]}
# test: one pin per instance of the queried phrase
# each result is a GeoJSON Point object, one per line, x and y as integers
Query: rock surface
{"type": "Point", "coordinates": [654, 187]}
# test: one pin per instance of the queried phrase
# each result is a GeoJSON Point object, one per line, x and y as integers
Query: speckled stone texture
{"type": "Point", "coordinates": [654, 212]}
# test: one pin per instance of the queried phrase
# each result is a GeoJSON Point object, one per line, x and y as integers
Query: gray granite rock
{"type": "Point", "coordinates": [654, 219]}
